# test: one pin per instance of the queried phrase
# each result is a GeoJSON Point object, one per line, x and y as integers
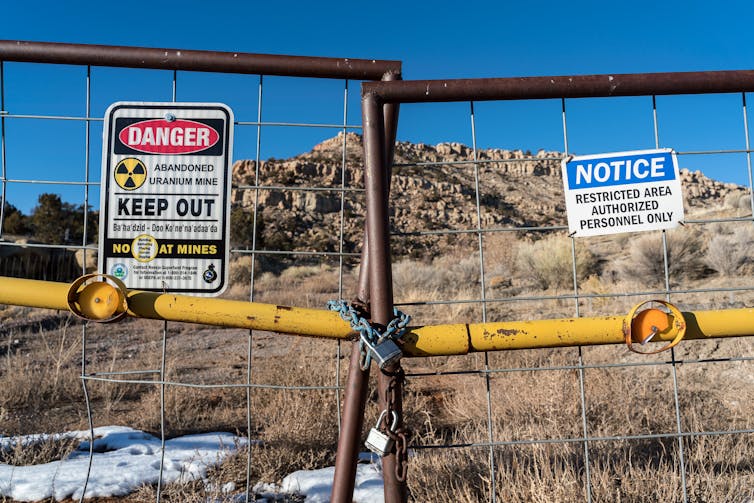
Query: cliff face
{"type": "Point", "coordinates": [516, 188]}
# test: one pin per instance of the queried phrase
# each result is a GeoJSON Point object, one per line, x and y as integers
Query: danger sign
{"type": "Point", "coordinates": [622, 192]}
{"type": "Point", "coordinates": [164, 216]}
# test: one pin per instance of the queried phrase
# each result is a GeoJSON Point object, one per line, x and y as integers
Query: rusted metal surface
{"type": "Point", "coordinates": [390, 111]}
{"type": "Point", "coordinates": [184, 308]}
{"type": "Point", "coordinates": [430, 340]}
{"type": "Point", "coordinates": [579, 86]}
{"type": "Point", "coordinates": [376, 184]}
{"type": "Point", "coordinates": [197, 61]}
{"type": "Point", "coordinates": [352, 422]}
{"type": "Point", "coordinates": [357, 381]}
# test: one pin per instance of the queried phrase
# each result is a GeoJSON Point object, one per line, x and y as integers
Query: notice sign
{"type": "Point", "coordinates": [622, 192]}
{"type": "Point", "coordinates": [165, 211]}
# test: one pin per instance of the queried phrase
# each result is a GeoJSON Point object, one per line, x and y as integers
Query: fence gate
{"type": "Point", "coordinates": [297, 220]}
{"type": "Point", "coordinates": [569, 415]}
{"type": "Point", "coordinates": [487, 240]}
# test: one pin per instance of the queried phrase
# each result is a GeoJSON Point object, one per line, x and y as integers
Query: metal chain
{"type": "Point", "coordinates": [397, 326]}
{"type": "Point", "coordinates": [398, 436]}
{"type": "Point", "coordinates": [356, 316]}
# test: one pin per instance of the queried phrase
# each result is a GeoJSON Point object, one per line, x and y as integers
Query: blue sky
{"type": "Point", "coordinates": [433, 40]}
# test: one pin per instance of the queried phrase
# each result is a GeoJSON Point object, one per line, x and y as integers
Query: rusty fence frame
{"type": "Point", "coordinates": [380, 103]}
{"type": "Point", "coordinates": [379, 167]}
{"type": "Point", "coordinates": [175, 60]}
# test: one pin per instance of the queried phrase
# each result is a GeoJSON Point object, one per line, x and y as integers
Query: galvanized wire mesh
{"type": "Point", "coordinates": [591, 423]}
{"type": "Point", "coordinates": [275, 118]}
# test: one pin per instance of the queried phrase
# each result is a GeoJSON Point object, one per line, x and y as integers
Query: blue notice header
{"type": "Point", "coordinates": [620, 169]}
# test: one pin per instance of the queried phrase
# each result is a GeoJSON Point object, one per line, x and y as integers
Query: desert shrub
{"type": "Point", "coordinates": [414, 280]}
{"type": "Point", "coordinates": [686, 249]}
{"type": "Point", "coordinates": [240, 270]}
{"type": "Point", "coordinates": [728, 253]}
{"type": "Point", "coordinates": [301, 272]}
{"type": "Point", "coordinates": [242, 226]}
{"type": "Point", "coordinates": [549, 262]}
{"type": "Point", "coordinates": [500, 254]}
{"type": "Point", "coordinates": [451, 278]}
{"type": "Point", "coordinates": [737, 200]}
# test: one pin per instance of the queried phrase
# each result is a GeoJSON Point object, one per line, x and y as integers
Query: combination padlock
{"type": "Point", "coordinates": [384, 352]}
{"type": "Point", "coordinates": [378, 442]}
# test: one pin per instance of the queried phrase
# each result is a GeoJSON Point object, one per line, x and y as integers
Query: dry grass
{"type": "Point", "coordinates": [37, 451]}
{"type": "Point", "coordinates": [729, 251]}
{"type": "Point", "coordinates": [549, 262]}
{"type": "Point", "coordinates": [685, 250]}
{"type": "Point", "coordinates": [297, 429]}
{"type": "Point", "coordinates": [624, 401]}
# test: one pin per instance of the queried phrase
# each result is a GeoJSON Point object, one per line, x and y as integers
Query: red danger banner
{"type": "Point", "coordinates": [163, 137]}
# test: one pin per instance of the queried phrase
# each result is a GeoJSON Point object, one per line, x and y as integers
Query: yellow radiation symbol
{"type": "Point", "coordinates": [130, 173]}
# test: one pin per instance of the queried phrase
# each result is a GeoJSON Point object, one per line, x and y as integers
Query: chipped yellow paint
{"type": "Point", "coordinates": [207, 311]}
{"type": "Point", "coordinates": [431, 340]}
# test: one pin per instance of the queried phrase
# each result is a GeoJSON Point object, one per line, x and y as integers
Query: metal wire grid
{"type": "Point", "coordinates": [485, 371]}
{"type": "Point", "coordinates": [129, 377]}
{"type": "Point", "coordinates": [483, 301]}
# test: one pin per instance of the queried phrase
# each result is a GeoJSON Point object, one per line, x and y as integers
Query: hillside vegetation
{"type": "Point", "coordinates": [522, 266]}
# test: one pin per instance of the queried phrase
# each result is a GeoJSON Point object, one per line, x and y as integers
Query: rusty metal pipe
{"type": "Point", "coordinates": [579, 86]}
{"type": "Point", "coordinates": [457, 339]}
{"type": "Point", "coordinates": [376, 184]}
{"type": "Point", "coordinates": [352, 421]}
{"type": "Point", "coordinates": [429, 340]}
{"type": "Point", "coordinates": [390, 111]}
{"type": "Point", "coordinates": [197, 61]}
{"type": "Point", "coordinates": [398, 489]}
{"type": "Point", "coordinates": [377, 217]}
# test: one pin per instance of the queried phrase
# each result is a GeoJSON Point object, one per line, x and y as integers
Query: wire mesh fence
{"type": "Point", "coordinates": [485, 240]}
{"type": "Point", "coordinates": [587, 423]}
{"type": "Point", "coordinates": [297, 219]}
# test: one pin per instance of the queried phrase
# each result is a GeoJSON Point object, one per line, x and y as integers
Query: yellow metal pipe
{"type": "Point", "coordinates": [431, 340]}
{"type": "Point", "coordinates": [33, 293]}
{"type": "Point", "coordinates": [171, 307]}
{"type": "Point", "coordinates": [436, 340]}
{"type": "Point", "coordinates": [239, 314]}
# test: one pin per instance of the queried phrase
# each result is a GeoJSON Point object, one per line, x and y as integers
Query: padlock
{"type": "Point", "coordinates": [384, 352]}
{"type": "Point", "coordinates": [378, 442]}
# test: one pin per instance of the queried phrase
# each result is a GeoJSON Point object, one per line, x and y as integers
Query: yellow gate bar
{"type": "Point", "coordinates": [171, 307]}
{"type": "Point", "coordinates": [434, 340]}
{"type": "Point", "coordinates": [430, 340]}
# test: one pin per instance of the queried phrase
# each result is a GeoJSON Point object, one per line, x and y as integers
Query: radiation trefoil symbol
{"type": "Point", "coordinates": [130, 173]}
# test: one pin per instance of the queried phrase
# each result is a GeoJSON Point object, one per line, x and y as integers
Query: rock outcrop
{"type": "Point", "coordinates": [433, 187]}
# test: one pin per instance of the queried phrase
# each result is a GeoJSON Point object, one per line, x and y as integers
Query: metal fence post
{"type": "Point", "coordinates": [356, 388]}
{"type": "Point", "coordinates": [376, 183]}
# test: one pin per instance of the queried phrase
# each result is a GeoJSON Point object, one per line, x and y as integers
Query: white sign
{"type": "Point", "coordinates": [165, 211]}
{"type": "Point", "coordinates": [622, 192]}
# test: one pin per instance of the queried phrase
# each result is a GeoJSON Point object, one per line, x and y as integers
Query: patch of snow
{"type": "Point", "coordinates": [316, 485]}
{"type": "Point", "coordinates": [124, 459]}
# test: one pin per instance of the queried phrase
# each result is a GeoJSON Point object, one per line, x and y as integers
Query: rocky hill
{"type": "Point", "coordinates": [433, 187]}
